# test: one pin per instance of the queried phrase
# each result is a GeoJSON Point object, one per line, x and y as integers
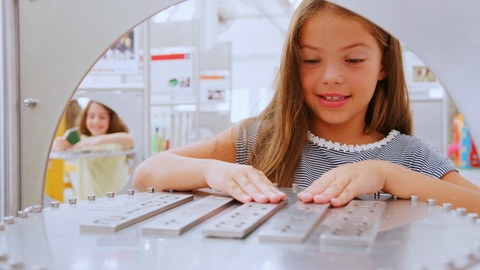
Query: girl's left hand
{"type": "Point", "coordinates": [340, 185]}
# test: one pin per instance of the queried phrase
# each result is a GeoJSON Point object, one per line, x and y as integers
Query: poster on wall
{"type": "Point", "coordinates": [121, 58]}
{"type": "Point", "coordinates": [215, 87]}
{"type": "Point", "coordinates": [172, 73]}
{"type": "Point", "coordinates": [421, 81]}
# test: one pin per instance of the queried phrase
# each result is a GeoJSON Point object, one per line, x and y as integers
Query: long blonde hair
{"type": "Point", "coordinates": [285, 121]}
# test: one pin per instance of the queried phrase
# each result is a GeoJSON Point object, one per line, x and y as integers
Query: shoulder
{"type": "Point", "coordinates": [413, 143]}
{"type": "Point", "coordinates": [247, 132]}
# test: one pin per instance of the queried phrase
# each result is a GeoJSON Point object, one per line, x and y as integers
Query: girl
{"type": "Point", "coordinates": [101, 129]}
{"type": "Point", "coordinates": [339, 125]}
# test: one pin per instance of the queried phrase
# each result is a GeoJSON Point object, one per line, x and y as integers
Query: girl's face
{"type": "Point", "coordinates": [341, 64]}
{"type": "Point", "coordinates": [98, 119]}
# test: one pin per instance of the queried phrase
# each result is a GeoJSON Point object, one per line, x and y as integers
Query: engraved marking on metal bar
{"type": "Point", "coordinates": [181, 220]}
{"type": "Point", "coordinates": [122, 218]}
{"type": "Point", "coordinates": [357, 225]}
{"type": "Point", "coordinates": [242, 221]}
{"type": "Point", "coordinates": [295, 224]}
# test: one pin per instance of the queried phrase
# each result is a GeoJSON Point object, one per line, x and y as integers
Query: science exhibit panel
{"type": "Point", "coordinates": [205, 229]}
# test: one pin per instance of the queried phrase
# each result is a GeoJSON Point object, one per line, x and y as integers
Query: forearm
{"type": "Point", "coordinates": [122, 138]}
{"type": "Point", "coordinates": [171, 171]}
{"type": "Point", "coordinates": [403, 183]}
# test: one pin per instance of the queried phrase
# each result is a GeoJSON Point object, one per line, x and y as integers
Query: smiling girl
{"type": "Point", "coordinates": [101, 129]}
{"type": "Point", "coordinates": [338, 125]}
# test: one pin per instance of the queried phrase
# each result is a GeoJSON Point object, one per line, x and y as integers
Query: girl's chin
{"type": "Point", "coordinates": [96, 133]}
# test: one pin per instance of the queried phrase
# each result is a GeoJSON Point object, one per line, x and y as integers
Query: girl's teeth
{"type": "Point", "coordinates": [334, 98]}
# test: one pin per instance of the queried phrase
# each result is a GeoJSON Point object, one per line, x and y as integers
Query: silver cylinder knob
{"type": "Point", "coordinates": [30, 102]}
{"type": "Point", "coordinates": [130, 191]}
{"type": "Point", "coordinates": [150, 190]}
{"type": "Point", "coordinates": [22, 214]}
{"type": "Point", "coordinates": [472, 217]}
{"type": "Point", "coordinates": [461, 211]}
{"type": "Point", "coordinates": [37, 208]}
{"type": "Point", "coordinates": [447, 206]}
{"type": "Point", "coordinates": [55, 204]}
{"type": "Point", "coordinates": [9, 220]}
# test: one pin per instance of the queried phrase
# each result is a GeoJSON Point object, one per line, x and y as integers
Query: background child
{"type": "Point", "coordinates": [101, 129]}
{"type": "Point", "coordinates": [339, 125]}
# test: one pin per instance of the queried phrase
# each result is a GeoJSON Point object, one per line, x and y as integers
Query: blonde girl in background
{"type": "Point", "coordinates": [338, 125]}
{"type": "Point", "coordinates": [101, 129]}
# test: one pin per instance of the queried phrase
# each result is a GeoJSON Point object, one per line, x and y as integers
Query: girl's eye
{"type": "Point", "coordinates": [310, 61]}
{"type": "Point", "coordinates": [355, 61]}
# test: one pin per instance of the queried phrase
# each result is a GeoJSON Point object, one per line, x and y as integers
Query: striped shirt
{"type": "Point", "coordinates": [320, 156]}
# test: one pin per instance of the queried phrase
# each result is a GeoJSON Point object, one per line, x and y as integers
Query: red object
{"type": "Point", "coordinates": [167, 145]}
{"type": "Point", "coordinates": [474, 161]}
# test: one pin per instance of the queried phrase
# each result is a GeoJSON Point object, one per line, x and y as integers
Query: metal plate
{"type": "Point", "coordinates": [410, 236]}
{"type": "Point", "coordinates": [119, 219]}
{"type": "Point", "coordinates": [178, 221]}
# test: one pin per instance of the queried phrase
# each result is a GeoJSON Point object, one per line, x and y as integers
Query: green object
{"type": "Point", "coordinates": [173, 82]}
{"type": "Point", "coordinates": [154, 142]}
{"type": "Point", "coordinates": [72, 135]}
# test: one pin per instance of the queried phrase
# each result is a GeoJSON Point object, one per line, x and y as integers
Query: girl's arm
{"type": "Point", "coordinates": [344, 183]}
{"type": "Point", "coordinates": [452, 187]}
{"type": "Point", "coordinates": [122, 138]}
{"type": "Point", "coordinates": [206, 164]}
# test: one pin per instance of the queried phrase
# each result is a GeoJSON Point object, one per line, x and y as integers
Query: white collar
{"type": "Point", "coordinates": [349, 147]}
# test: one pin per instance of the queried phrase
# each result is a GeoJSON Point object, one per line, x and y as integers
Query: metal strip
{"type": "Point", "coordinates": [242, 221]}
{"type": "Point", "coordinates": [295, 224]}
{"type": "Point", "coordinates": [9, 111]}
{"type": "Point", "coordinates": [123, 218]}
{"type": "Point", "coordinates": [181, 220]}
{"type": "Point", "coordinates": [356, 226]}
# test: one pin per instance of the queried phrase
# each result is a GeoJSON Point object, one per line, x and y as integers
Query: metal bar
{"type": "Point", "coordinates": [181, 220]}
{"type": "Point", "coordinates": [123, 218]}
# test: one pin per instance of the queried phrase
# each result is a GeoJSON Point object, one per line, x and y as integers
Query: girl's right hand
{"type": "Point", "coordinates": [60, 144]}
{"type": "Point", "coordinates": [242, 182]}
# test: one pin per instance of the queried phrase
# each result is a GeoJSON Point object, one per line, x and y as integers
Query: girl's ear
{"type": "Point", "coordinates": [382, 74]}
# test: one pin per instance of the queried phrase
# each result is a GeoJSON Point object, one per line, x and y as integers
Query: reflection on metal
{"type": "Point", "coordinates": [46, 42]}
{"type": "Point", "coordinates": [30, 102]}
{"type": "Point", "coordinates": [399, 235]}
{"type": "Point", "coordinates": [9, 114]}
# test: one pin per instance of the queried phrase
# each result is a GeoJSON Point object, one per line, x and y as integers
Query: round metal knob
{"type": "Point", "coordinates": [29, 102]}
{"type": "Point", "coordinates": [37, 208]}
{"type": "Point", "coordinates": [55, 204]}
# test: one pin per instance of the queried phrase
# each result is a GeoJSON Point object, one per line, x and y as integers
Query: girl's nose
{"type": "Point", "coordinates": [332, 74]}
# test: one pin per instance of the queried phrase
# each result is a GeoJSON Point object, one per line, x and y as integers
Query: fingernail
{"type": "Point", "coordinates": [319, 198]}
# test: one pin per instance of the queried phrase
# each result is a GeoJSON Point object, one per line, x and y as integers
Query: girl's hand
{"type": "Point", "coordinates": [340, 185]}
{"type": "Point", "coordinates": [242, 182]}
{"type": "Point", "coordinates": [60, 144]}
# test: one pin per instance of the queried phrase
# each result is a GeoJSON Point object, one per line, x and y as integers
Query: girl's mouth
{"type": "Point", "coordinates": [335, 98]}
{"type": "Point", "coordinates": [334, 101]}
